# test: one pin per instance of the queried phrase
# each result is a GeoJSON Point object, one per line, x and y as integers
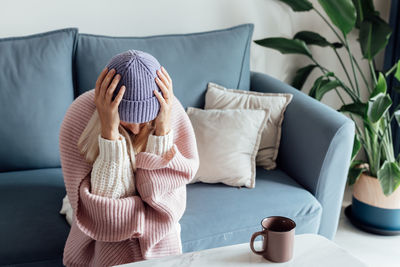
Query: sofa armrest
{"type": "Point", "coordinates": [315, 147]}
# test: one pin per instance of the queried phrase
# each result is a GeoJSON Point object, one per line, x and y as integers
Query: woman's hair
{"type": "Point", "coordinates": [88, 144]}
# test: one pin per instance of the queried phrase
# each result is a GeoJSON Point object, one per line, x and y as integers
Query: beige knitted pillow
{"type": "Point", "coordinates": [219, 97]}
{"type": "Point", "coordinates": [227, 141]}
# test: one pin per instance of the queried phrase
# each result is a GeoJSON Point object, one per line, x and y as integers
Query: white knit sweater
{"type": "Point", "coordinates": [112, 174]}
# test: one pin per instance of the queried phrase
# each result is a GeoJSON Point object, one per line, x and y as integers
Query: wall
{"type": "Point", "coordinates": [326, 57]}
{"type": "Point", "coordinates": [142, 18]}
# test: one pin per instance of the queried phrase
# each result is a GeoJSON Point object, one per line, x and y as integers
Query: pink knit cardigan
{"type": "Point", "coordinates": [107, 231]}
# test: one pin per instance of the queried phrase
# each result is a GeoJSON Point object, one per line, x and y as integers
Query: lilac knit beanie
{"type": "Point", "coordinates": [138, 71]}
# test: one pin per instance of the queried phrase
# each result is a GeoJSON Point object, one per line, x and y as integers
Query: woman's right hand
{"type": "Point", "coordinates": [106, 107]}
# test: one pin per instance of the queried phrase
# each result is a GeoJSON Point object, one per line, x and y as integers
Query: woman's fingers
{"type": "Point", "coordinates": [162, 77]}
{"type": "Point", "coordinates": [112, 87]}
{"type": "Point", "coordinates": [164, 71]}
{"type": "Point", "coordinates": [119, 96]}
{"type": "Point", "coordinates": [160, 98]}
{"type": "Point", "coordinates": [99, 81]}
{"type": "Point", "coordinates": [106, 82]}
{"type": "Point", "coordinates": [170, 87]}
{"type": "Point", "coordinates": [163, 88]}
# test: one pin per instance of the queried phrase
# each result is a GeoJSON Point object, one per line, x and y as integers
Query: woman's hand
{"type": "Point", "coordinates": [106, 107]}
{"type": "Point", "coordinates": [163, 120]}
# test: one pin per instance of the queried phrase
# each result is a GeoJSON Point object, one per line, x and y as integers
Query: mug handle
{"type": "Point", "coordinates": [253, 237]}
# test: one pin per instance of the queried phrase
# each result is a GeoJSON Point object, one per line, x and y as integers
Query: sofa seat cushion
{"type": "Point", "coordinates": [31, 228]}
{"type": "Point", "coordinates": [220, 215]}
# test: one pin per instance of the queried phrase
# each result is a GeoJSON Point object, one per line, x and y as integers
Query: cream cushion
{"type": "Point", "coordinates": [220, 97]}
{"type": "Point", "coordinates": [227, 142]}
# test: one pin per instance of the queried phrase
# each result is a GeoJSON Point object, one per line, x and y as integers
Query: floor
{"type": "Point", "coordinates": [375, 250]}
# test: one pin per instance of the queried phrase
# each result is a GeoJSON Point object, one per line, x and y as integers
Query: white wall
{"type": "Point", "coordinates": [142, 18]}
{"type": "Point", "coordinates": [327, 58]}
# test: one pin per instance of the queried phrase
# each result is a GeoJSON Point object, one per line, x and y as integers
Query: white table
{"type": "Point", "coordinates": [309, 250]}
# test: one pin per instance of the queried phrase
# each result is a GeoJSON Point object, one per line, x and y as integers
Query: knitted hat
{"type": "Point", "coordinates": [138, 71]}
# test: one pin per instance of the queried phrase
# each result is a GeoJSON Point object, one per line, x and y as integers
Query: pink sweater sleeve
{"type": "Point", "coordinates": [112, 175]}
{"type": "Point", "coordinates": [107, 219]}
{"type": "Point", "coordinates": [101, 218]}
{"type": "Point", "coordinates": [160, 182]}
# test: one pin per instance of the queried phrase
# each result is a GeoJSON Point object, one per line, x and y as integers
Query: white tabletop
{"type": "Point", "coordinates": [309, 250]}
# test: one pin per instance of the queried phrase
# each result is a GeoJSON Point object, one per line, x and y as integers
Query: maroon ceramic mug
{"type": "Point", "coordinates": [278, 238]}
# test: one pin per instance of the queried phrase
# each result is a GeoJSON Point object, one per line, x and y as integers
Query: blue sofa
{"type": "Point", "coordinates": [41, 74]}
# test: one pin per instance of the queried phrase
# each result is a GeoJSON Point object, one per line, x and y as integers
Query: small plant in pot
{"type": "Point", "coordinates": [376, 194]}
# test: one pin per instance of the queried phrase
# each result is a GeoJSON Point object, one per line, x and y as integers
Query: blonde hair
{"type": "Point", "coordinates": [88, 141]}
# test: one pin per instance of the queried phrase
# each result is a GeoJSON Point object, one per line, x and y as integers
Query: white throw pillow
{"type": "Point", "coordinates": [219, 97]}
{"type": "Point", "coordinates": [227, 141]}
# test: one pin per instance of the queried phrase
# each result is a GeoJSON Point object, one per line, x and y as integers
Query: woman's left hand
{"type": "Point", "coordinates": [163, 120]}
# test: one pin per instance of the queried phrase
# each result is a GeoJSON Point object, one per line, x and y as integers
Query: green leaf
{"type": "Point", "coordinates": [298, 5]}
{"type": "Point", "coordinates": [354, 174]}
{"type": "Point", "coordinates": [341, 12]}
{"type": "Point", "coordinates": [320, 81]}
{"type": "Point", "coordinates": [356, 108]}
{"type": "Point", "coordinates": [380, 87]}
{"type": "Point", "coordinates": [397, 74]}
{"type": "Point", "coordinates": [323, 89]}
{"type": "Point", "coordinates": [389, 177]}
{"type": "Point", "coordinates": [285, 46]}
{"type": "Point", "coordinates": [312, 38]}
{"type": "Point", "coordinates": [378, 107]}
{"type": "Point", "coordinates": [329, 74]}
{"type": "Point", "coordinates": [301, 76]}
{"type": "Point", "coordinates": [337, 45]}
{"type": "Point", "coordinates": [356, 147]}
{"type": "Point", "coordinates": [354, 163]}
{"type": "Point", "coordinates": [364, 8]}
{"type": "Point", "coordinates": [373, 36]}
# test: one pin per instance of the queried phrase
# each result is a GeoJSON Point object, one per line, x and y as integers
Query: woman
{"type": "Point", "coordinates": [127, 152]}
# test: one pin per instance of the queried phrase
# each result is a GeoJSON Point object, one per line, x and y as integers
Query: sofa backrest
{"type": "Point", "coordinates": [41, 74]}
{"type": "Point", "coordinates": [36, 90]}
{"type": "Point", "coordinates": [192, 59]}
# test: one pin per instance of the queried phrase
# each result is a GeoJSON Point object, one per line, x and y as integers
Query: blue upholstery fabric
{"type": "Point", "coordinates": [315, 148]}
{"type": "Point", "coordinates": [216, 214]}
{"type": "Point", "coordinates": [36, 89]}
{"type": "Point", "coordinates": [307, 186]}
{"type": "Point", "coordinates": [192, 60]}
{"type": "Point", "coordinates": [31, 228]}
{"type": "Point", "coordinates": [220, 215]}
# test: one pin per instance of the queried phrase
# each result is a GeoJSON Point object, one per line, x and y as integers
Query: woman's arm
{"type": "Point", "coordinates": [108, 219]}
{"type": "Point", "coordinates": [160, 144]}
{"type": "Point", "coordinates": [161, 182]}
{"type": "Point", "coordinates": [112, 175]}
{"type": "Point", "coordinates": [106, 176]}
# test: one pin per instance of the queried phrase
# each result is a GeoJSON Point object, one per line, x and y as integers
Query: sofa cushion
{"type": "Point", "coordinates": [216, 214]}
{"type": "Point", "coordinates": [220, 215]}
{"type": "Point", "coordinates": [224, 159]}
{"type": "Point", "coordinates": [191, 59]}
{"type": "Point", "coordinates": [220, 97]}
{"type": "Point", "coordinates": [36, 88]}
{"type": "Point", "coordinates": [31, 228]}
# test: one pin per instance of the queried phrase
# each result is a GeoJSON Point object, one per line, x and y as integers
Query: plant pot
{"type": "Point", "coordinates": [372, 208]}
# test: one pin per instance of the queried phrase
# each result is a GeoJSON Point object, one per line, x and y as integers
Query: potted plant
{"type": "Point", "coordinates": [376, 194]}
